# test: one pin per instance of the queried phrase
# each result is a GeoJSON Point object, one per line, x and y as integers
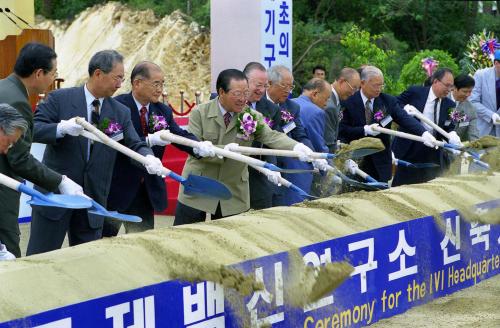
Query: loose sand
{"type": "Point", "coordinates": [104, 267]}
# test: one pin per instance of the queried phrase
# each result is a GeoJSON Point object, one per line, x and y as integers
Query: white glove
{"type": "Point", "coordinates": [154, 165]}
{"type": "Point", "coordinates": [351, 166]}
{"type": "Point", "coordinates": [5, 255]}
{"type": "Point", "coordinates": [304, 152]}
{"type": "Point", "coordinates": [369, 130]}
{"type": "Point", "coordinates": [155, 139]}
{"type": "Point", "coordinates": [69, 187]}
{"type": "Point", "coordinates": [320, 164]}
{"type": "Point", "coordinates": [410, 109]}
{"type": "Point", "coordinates": [273, 177]}
{"type": "Point", "coordinates": [393, 159]}
{"type": "Point", "coordinates": [454, 139]}
{"type": "Point", "coordinates": [495, 118]}
{"type": "Point", "coordinates": [69, 127]}
{"type": "Point", "coordinates": [204, 149]}
{"type": "Point", "coordinates": [231, 146]}
{"type": "Point", "coordinates": [429, 140]}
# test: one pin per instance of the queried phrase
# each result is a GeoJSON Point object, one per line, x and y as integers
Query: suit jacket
{"type": "Point", "coordinates": [19, 163]}
{"type": "Point", "coordinates": [261, 190]}
{"type": "Point", "coordinates": [379, 165]}
{"type": "Point", "coordinates": [68, 155]}
{"type": "Point", "coordinates": [484, 98]}
{"type": "Point", "coordinates": [413, 151]}
{"type": "Point", "coordinates": [332, 121]}
{"type": "Point", "coordinates": [467, 130]}
{"type": "Point", "coordinates": [123, 190]}
{"type": "Point", "coordinates": [206, 123]}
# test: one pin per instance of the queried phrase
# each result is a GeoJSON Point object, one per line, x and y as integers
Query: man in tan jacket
{"type": "Point", "coordinates": [217, 121]}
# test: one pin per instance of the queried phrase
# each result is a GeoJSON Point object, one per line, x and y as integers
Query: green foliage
{"type": "Point", "coordinates": [413, 73]}
{"type": "Point", "coordinates": [363, 50]}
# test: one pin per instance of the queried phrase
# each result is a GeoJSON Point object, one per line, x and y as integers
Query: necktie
{"type": "Point", "coordinates": [144, 121]}
{"type": "Point", "coordinates": [227, 118]}
{"type": "Point", "coordinates": [368, 111]}
{"type": "Point", "coordinates": [95, 115]}
{"type": "Point", "coordinates": [436, 114]}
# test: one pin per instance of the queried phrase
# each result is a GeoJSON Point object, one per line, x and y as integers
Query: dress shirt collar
{"type": "Point", "coordinates": [89, 97]}
{"type": "Point", "coordinates": [365, 98]}
{"type": "Point", "coordinates": [223, 111]}
{"type": "Point", "coordinates": [336, 95]}
{"type": "Point", "coordinates": [139, 105]}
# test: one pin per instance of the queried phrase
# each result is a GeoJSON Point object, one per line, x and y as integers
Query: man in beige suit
{"type": "Point", "coordinates": [217, 121]}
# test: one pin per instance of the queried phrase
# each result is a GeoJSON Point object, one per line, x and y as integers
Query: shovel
{"type": "Point", "coordinates": [50, 199]}
{"type": "Point", "coordinates": [290, 153]}
{"type": "Point", "coordinates": [194, 185]}
{"type": "Point", "coordinates": [370, 180]}
{"type": "Point", "coordinates": [416, 113]}
{"type": "Point", "coordinates": [437, 143]}
{"type": "Point", "coordinates": [254, 162]}
{"type": "Point", "coordinates": [100, 210]}
{"type": "Point", "coordinates": [286, 183]}
{"type": "Point", "coordinates": [400, 162]}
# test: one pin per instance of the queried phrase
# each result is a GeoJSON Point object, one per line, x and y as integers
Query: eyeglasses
{"type": "Point", "coordinates": [156, 85]}
{"type": "Point", "coordinates": [239, 94]}
{"type": "Point", "coordinates": [117, 78]}
{"type": "Point", "coordinates": [448, 86]}
{"type": "Point", "coordinates": [350, 86]}
{"type": "Point", "coordinates": [287, 87]}
{"type": "Point", "coordinates": [378, 86]}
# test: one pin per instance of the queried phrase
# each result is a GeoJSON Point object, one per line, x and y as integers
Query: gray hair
{"type": "Point", "coordinates": [316, 84]}
{"type": "Point", "coordinates": [104, 60]}
{"type": "Point", "coordinates": [348, 73]}
{"type": "Point", "coordinates": [11, 120]}
{"type": "Point", "coordinates": [275, 73]}
{"type": "Point", "coordinates": [370, 71]}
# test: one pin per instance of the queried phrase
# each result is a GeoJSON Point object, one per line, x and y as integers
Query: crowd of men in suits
{"type": "Point", "coordinates": [348, 109]}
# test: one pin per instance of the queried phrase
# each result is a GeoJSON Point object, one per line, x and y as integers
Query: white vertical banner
{"type": "Point", "coordinates": [276, 33]}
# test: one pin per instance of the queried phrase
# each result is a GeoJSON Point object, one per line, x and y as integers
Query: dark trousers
{"type": "Point", "coordinates": [261, 190]}
{"type": "Point", "coordinates": [185, 214]}
{"type": "Point", "coordinates": [140, 206]}
{"type": "Point", "coordinates": [47, 235]}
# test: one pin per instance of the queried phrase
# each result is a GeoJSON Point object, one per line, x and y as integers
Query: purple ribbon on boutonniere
{"type": "Point", "coordinates": [379, 115]}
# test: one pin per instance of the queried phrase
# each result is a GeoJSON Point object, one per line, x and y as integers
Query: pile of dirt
{"type": "Point", "coordinates": [181, 47]}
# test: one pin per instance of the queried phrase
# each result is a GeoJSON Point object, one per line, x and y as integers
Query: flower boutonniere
{"type": "Point", "coordinates": [157, 123]}
{"type": "Point", "coordinates": [379, 115]}
{"type": "Point", "coordinates": [109, 127]}
{"type": "Point", "coordinates": [248, 123]}
{"type": "Point", "coordinates": [457, 116]}
{"type": "Point", "coordinates": [268, 121]}
{"type": "Point", "coordinates": [286, 116]}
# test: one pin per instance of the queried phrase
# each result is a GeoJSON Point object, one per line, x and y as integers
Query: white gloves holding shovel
{"type": "Point", "coordinates": [203, 149]}
{"type": "Point", "coordinates": [305, 156]}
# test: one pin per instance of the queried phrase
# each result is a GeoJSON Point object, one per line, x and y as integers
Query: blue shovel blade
{"type": "Point", "coordinates": [100, 210]}
{"type": "Point", "coordinates": [54, 200]}
{"type": "Point", "coordinates": [197, 185]}
{"type": "Point", "coordinates": [416, 165]}
{"type": "Point", "coordinates": [302, 192]}
{"type": "Point", "coordinates": [355, 183]}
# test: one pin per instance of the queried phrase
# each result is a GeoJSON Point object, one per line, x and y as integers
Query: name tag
{"type": "Point", "coordinates": [117, 136]}
{"type": "Point", "coordinates": [463, 124]}
{"type": "Point", "coordinates": [386, 120]}
{"type": "Point", "coordinates": [447, 123]}
{"type": "Point", "coordinates": [289, 127]}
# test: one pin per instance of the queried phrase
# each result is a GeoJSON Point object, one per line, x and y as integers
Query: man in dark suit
{"type": "Point", "coordinates": [261, 189]}
{"type": "Point", "coordinates": [133, 191]}
{"type": "Point", "coordinates": [280, 85]}
{"type": "Point", "coordinates": [34, 71]}
{"type": "Point", "coordinates": [344, 86]}
{"type": "Point", "coordinates": [434, 104]}
{"type": "Point", "coordinates": [89, 164]}
{"type": "Point", "coordinates": [370, 107]}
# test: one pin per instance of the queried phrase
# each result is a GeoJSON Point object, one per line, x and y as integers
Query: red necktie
{"type": "Point", "coordinates": [144, 121]}
{"type": "Point", "coordinates": [227, 118]}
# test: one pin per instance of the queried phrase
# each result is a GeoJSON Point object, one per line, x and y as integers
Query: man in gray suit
{"type": "Point", "coordinates": [89, 164]}
{"type": "Point", "coordinates": [34, 71]}
{"type": "Point", "coordinates": [486, 98]}
{"type": "Point", "coordinates": [345, 86]}
{"type": "Point", "coordinates": [465, 116]}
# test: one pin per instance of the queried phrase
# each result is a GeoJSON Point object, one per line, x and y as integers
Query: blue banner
{"type": "Point", "coordinates": [395, 268]}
